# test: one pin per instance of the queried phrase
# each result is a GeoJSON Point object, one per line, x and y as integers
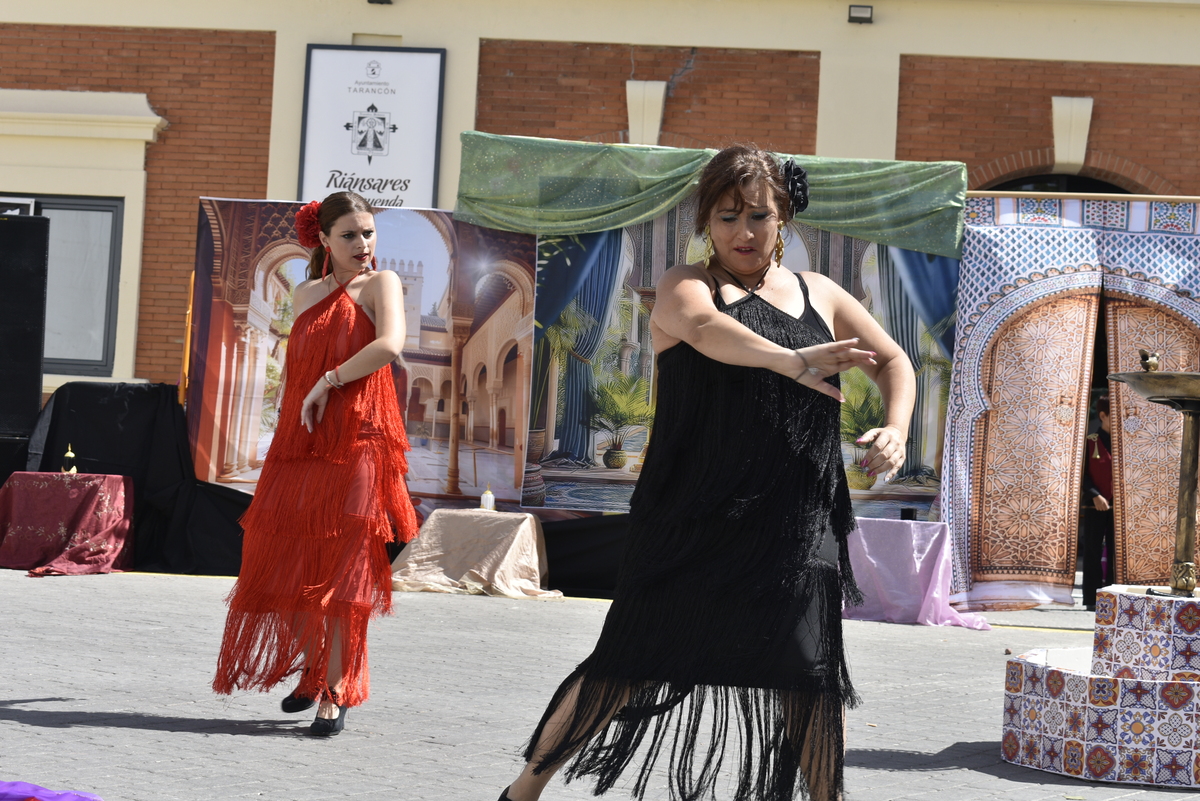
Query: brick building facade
{"type": "Point", "coordinates": [715, 96]}
{"type": "Point", "coordinates": [995, 115]}
{"type": "Point", "coordinates": [992, 114]}
{"type": "Point", "coordinates": [804, 82]}
{"type": "Point", "coordinates": [214, 88]}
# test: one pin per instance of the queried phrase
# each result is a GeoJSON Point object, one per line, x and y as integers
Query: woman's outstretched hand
{"type": "Point", "coordinates": [887, 451]}
{"type": "Point", "coordinates": [313, 407]}
{"type": "Point", "coordinates": [821, 361]}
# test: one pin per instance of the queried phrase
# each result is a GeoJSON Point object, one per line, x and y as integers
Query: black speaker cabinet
{"type": "Point", "coordinates": [24, 251]}
{"type": "Point", "coordinates": [14, 452]}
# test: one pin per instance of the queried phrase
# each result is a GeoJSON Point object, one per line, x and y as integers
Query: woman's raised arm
{"type": "Point", "coordinates": [684, 312]}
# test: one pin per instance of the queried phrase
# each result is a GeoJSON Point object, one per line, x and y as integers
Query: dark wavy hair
{"type": "Point", "coordinates": [735, 169]}
{"type": "Point", "coordinates": [333, 208]}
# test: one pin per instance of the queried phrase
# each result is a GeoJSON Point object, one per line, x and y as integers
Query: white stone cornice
{"type": "Point", "coordinates": [91, 115]}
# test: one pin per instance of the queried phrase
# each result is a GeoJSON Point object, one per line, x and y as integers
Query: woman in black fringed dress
{"type": "Point", "coordinates": [721, 660]}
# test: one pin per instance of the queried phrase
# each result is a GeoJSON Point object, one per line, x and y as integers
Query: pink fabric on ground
{"type": "Point", "coordinates": [903, 569]}
{"type": "Point", "coordinates": [23, 791]}
{"type": "Point", "coordinates": [66, 524]}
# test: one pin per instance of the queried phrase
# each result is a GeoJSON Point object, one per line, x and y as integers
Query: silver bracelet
{"type": "Point", "coordinates": [810, 370]}
{"type": "Point", "coordinates": [807, 369]}
{"type": "Point", "coordinates": [333, 382]}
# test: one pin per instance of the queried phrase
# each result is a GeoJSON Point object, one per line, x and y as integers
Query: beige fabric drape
{"type": "Point", "coordinates": [477, 552]}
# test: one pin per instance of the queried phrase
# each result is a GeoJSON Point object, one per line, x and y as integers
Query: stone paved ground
{"type": "Point", "coordinates": [105, 688]}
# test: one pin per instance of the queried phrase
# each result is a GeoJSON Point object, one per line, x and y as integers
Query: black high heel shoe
{"type": "Point", "coordinates": [296, 703]}
{"type": "Point", "coordinates": [328, 727]}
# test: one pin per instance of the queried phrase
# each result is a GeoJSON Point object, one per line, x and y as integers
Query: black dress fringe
{"type": "Point", "coordinates": [723, 648]}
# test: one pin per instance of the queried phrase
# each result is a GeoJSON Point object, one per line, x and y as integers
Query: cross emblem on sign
{"type": "Point", "coordinates": [370, 131]}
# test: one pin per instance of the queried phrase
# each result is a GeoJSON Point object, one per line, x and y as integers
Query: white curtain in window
{"type": "Point", "coordinates": [77, 289]}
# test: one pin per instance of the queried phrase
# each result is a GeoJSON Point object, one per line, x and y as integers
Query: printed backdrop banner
{"type": "Point", "coordinates": [372, 123]}
{"type": "Point", "coordinates": [462, 379]}
{"type": "Point", "coordinates": [593, 383]}
{"type": "Point", "coordinates": [1035, 275]}
{"type": "Point", "coordinates": [560, 426]}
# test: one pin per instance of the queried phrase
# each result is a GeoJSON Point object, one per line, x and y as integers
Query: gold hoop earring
{"type": "Point", "coordinates": [708, 253]}
{"type": "Point", "coordinates": [779, 245]}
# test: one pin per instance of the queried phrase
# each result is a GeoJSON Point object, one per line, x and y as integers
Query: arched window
{"type": "Point", "coordinates": [1055, 182]}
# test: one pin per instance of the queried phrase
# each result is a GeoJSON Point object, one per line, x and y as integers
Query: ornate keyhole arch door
{"type": "Point", "coordinates": [1146, 436]}
{"type": "Point", "coordinates": [1035, 378]}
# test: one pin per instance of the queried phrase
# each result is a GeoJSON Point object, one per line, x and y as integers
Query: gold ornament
{"type": "Point", "coordinates": [69, 461]}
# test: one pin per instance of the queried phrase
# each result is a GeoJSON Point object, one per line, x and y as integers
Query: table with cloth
{"type": "Point", "coordinates": [66, 523]}
{"type": "Point", "coordinates": [903, 568]}
{"type": "Point", "coordinates": [475, 551]}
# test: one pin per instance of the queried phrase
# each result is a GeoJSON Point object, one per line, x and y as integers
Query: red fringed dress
{"type": "Point", "coordinates": [314, 563]}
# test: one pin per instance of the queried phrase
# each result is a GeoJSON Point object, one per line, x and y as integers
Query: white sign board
{"type": "Point", "coordinates": [372, 124]}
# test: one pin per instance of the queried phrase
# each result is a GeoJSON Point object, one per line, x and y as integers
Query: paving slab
{"type": "Point", "coordinates": [105, 689]}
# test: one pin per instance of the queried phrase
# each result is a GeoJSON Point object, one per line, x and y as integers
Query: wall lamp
{"type": "Point", "coordinates": [862, 14]}
{"type": "Point", "coordinates": [389, 2]}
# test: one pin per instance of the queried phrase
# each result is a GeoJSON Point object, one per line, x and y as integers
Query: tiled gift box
{"type": "Point", "coordinates": [1134, 719]}
{"type": "Point", "coordinates": [1148, 637]}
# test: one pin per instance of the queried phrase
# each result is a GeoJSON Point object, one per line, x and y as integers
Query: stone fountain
{"type": "Point", "coordinates": [1126, 710]}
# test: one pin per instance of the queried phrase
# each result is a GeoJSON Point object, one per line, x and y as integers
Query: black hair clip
{"type": "Point", "coordinates": [795, 182]}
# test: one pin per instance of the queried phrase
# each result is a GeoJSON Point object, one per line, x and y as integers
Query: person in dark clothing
{"type": "Point", "coordinates": [723, 646]}
{"type": "Point", "coordinates": [1098, 541]}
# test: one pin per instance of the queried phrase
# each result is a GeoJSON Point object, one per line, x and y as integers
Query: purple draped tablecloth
{"type": "Point", "coordinates": [62, 524]}
{"type": "Point", "coordinates": [903, 569]}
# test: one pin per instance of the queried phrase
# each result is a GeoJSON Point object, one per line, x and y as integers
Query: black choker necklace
{"type": "Point", "coordinates": [762, 278]}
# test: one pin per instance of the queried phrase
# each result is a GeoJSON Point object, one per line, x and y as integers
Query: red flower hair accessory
{"type": "Point", "coordinates": [308, 230]}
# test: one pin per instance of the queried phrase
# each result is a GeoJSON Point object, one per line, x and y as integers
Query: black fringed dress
{"type": "Point", "coordinates": [725, 633]}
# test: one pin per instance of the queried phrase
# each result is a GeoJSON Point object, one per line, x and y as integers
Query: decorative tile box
{"type": "Point", "coordinates": [1129, 713]}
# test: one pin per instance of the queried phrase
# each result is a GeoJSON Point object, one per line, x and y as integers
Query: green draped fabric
{"type": "Point", "coordinates": [549, 187]}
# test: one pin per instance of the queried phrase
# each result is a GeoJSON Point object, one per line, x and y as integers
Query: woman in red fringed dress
{"type": "Point", "coordinates": [332, 492]}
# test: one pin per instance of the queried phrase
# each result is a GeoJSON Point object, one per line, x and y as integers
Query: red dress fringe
{"type": "Point", "coordinates": [314, 563]}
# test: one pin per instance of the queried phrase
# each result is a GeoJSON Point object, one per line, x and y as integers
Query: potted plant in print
{"type": "Point", "coordinates": [620, 405]}
{"type": "Point", "coordinates": [421, 433]}
{"type": "Point", "coordinates": [862, 411]}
